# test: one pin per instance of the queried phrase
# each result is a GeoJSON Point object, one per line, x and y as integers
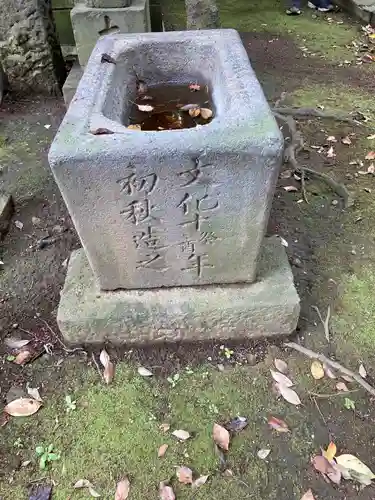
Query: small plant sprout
{"type": "Point", "coordinates": [173, 380]}
{"type": "Point", "coordinates": [226, 351]}
{"type": "Point", "coordinates": [349, 404]}
{"type": "Point", "coordinates": [18, 443]}
{"type": "Point", "coordinates": [70, 404]}
{"type": "Point", "coordinates": [46, 455]}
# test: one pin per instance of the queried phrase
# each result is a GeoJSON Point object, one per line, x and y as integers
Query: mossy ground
{"type": "Point", "coordinates": [115, 429]}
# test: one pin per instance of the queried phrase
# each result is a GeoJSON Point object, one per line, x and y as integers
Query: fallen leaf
{"type": "Point", "coordinates": [94, 493]}
{"type": "Point", "coordinates": [362, 371]}
{"type": "Point", "coordinates": [263, 454]}
{"type": "Point", "coordinates": [371, 137]}
{"type": "Point", "coordinates": [83, 483]}
{"type": "Point", "coordinates": [181, 435]}
{"type": "Point", "coordinates": [18, 224]}
{"type": "Point", "coordinates": [308, 495]}
{"type": "Point", "coordinates": [188, 107]}
{"type": "Point", "coordinates": [322, 465]}
{"type": "Point", "coordinates": [206, 113]}
{"type": "Point", "coordinates": [317, 370]}
{"type": "Point", "coordinates": [161, 451]}
{"type": "Point", "coordinates": [194, 112]}
{"type": "Point", "coordinates": [237, 424]}
{"type": "Point", "coordinates": [107, 58]}
{"type": "Point", "coordinates": [331, 153]}
{"type": "Point", "coordinates": [286, 174]}
{"type": "Point", "coordinates": [354, 466]}
{"type": "Point", "coordinates": [4, 419]}
{"type": "Point", "coordinates": [280, 365]}
{"type": "Point", "coordinates": [14, 343]}
{"type": "Point", "coordinates": [23, 357]}
{"type": "Point", "coordinates": [22, 407]}
{"type": "Point", "coordinates": [101, 131]}
{"type": "Point", "coordinates": [288, 394]}
{"type": "Point", "coordinates": [341, 386]}
{"type": "Point", "coordinates": [200, 481]}
{"type": "Point", "coordinates": [164, 427]}
{"type": "Point", "coordinates": [347, 378]}
{"type": "Point", "coordinates": [184, 475]}
{"type": "Point", "coordinates": [144, 372]}
{"type": "Point", "coordinates": [122, 489]}
{"type": "Point", "coordinates": [41, 493]}
{"type": "Point", "coordinates": [221, 437]}
{"type": "Point", "coordinates": [346, 140]}
{"type": "Point", "coordinates": [289, 189]}
{"type": "Point", "coordinates": [284, 242]}
{"type": "Point", "coordinates": [278, 425]}
{"type": "Point", "coordinates": [371, 169]}
{"type": "Point", "coordinates": [280, 378]}
{"type": "Point", "coordinates": [109, 368]}
{"type": "Point", "coordinates": [146, 108]}
{"type": "Point", "coordinates": [331, 138]}
{"type": "Point", "coordinates": [370, 155]}
{"type": "Point", "coordinates": [34, 393]}
{"type": "Point", "coordinates": [330, 452]}
{"type": "Point", "coordinates": [329, 372]}
{"type": "Point", "coordinates": [166, 492]}
{"type": "Point", "coordinates": [195, 87]}
{"type": "Point", "coordinates": [26, 463]}
{"type": "Point", "coordinates": [134, 127]}
{"type": "Point", "coordinates": [228, 473]}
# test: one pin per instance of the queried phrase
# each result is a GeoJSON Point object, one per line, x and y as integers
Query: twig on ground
{"type": "Point", "coordinates": [297, 145]}
{"type": "Point", "coordinates": [318, 408]}
{"type": "Point", "coordinates": [324, 322]}
{"type": "Point", "coordinates": [97, 366]}
{"type": "Point", "coordinates": [303, 187]}
{"type": "Point", "coordinates": [333, 364]}
{"type": "Point", "coordinates": [315, 113]}
{"type": "Point", "coordinates": [76, 349]}
{"type": "Point", "coordinates": [326, 396]}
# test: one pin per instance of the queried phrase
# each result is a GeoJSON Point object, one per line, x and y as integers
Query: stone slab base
{"type": "Point", "coordinates": [362, 9]}
{"type": "Point", "coordinates": [6, 212]}
{"type": "Point", "coordinates": [71, 83]}
{"type": "Point", "coordinates": [268, 307]}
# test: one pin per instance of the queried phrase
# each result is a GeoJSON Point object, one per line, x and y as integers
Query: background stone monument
{"type": "Point", "coordinates": [172, 222]}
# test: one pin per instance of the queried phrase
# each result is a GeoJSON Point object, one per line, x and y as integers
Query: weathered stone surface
{"type": "Point", "coordinates": [201, 14]}
{"type": "Point", "coordinates": [6, 212]}
{"type": "Point", "coordinates": [90, 23]}
{"type": "Point", "coordinates": [71, 83]}
{"type": "Point", "coordinates": [29, 50]}
{"type": "Point", "coordinates": [108, 4]}
{"type": "Point", "coordinates": [266, 308]}
{"type": "Point", "coordinates": [3, 83]}
{"type": "Point", "coordinates": [178, 207]}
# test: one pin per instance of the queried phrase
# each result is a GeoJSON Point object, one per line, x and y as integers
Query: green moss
{"type": "Point", "coordinates": [269, 16]}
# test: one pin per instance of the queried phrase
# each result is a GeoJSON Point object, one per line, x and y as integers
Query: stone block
{"type": "Point", "coordinates": [176, 207]}
{"type": "Point", "coordinates": [90, 23]}
{"type": "Point", "coordinates": [6, 212]}
{"type": "Point", "coordinates": [108, 4]}
{"type": "Point", "coordinates": [71, 83]}
{"type": "Point", "coordinates": [268, 307]}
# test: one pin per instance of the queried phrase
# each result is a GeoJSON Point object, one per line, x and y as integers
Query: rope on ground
{"type": "Point", "coordinates": [333, 364]}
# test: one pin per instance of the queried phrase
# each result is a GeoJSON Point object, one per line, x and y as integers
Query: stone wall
{"type": "Point", "coordinates": [29, 49]}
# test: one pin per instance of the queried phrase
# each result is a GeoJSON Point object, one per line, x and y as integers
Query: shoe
{"type": "Point", "coordinates": [312, 5]}
{"type": "Point", "coordinates": [294, 11]}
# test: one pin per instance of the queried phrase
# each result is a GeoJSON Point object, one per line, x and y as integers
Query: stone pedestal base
{"type": "Point", "coordinates": [90, 23]}
{"type": "Point", "coordinates": [71, 83]}
{"type": "Point", "coordinates": [268, 307]}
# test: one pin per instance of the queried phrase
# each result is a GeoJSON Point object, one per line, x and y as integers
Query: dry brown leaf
{"type": "Point", "coordinates": [288, 394]}
{"type": "Point", "coordinates": [194, 112]}
{"type": "Point", "coordinates": [330, 452]}
{"type": "Point", "coordinates": [317, 370]}
{"type": "Point", "coordinates": [4, 419]}
{"type": "Point", "coordinates": [83, 483]}
{"type": "Point", "coordinates": [200, 481]}
{"type": "Point", "coordinates": [280, 365]}
{"type": "Point", "coordinates": [164, 427]}
{"type": "Point", "coordinates": [34, 393]}
{"type": "Point", "coordinates": [341, 386]}
{"type": "Point", "coordinates": [184, 475]}
{"type": "Point", "coordinates": [290, 189]}
{"type": "Point", "coordinates": [146, 108]}
{"type": "Point", "coordinates": [161, 451]}
{"type": "Point", "coordinates": [109, 368]}
{"type": "Point", "coordinates": [134, 127]}
{"type": "Point", "coordinates": [370, 155]}
{"type": "Point", "coordinates": [322, 465]}
{"type": "Point", "coordinates": [166, 492]}
{"type": "Point", "coordinates": [357, 469]}
{"type": "Point", "coordinates": [278, 425]}
{"type": "Point", "coordinates": [328, 372]}
{"type": "Point", "coordinates": [331, 153]}
{"type": "Point", "coordinates": [362, 371]}
{"type": "Point", "coordinates": [221, 437]}
{"type": "Point", "coordinates": [14, 343]}
{"type": "Point", "coordinates": [206, 113]}
{"type": "Point", "coordinates": [122, 489]}
{"type": "Point", "coordinates": [286, 174]}
{"type": "Point", "coordinates": [308, 495]}
{"type": "Point", "coordinates": [280, 378]}
{"type": "Point", "coordinates": [144, 372]}
{"type": "Point", "coordinates": [22, 407]}
{"type": "Point", "coordinates": [346, 140]}
{"type": "Point", "coordinates": [181, 435]}
{"type": "Point", "coordinates": [23, 357]}
{"type": "Point", "coordinates": [263, 454]}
